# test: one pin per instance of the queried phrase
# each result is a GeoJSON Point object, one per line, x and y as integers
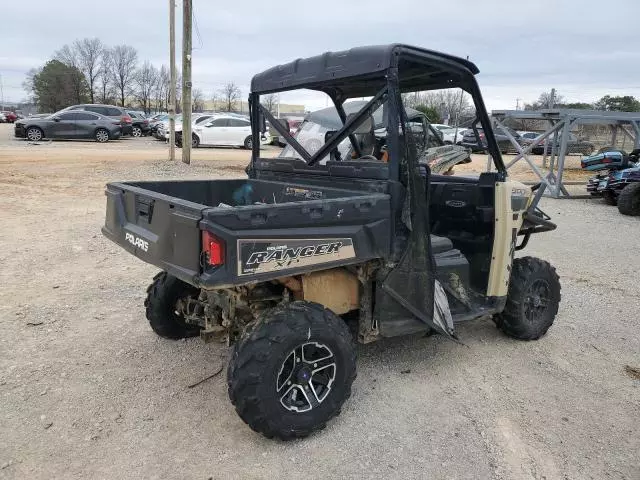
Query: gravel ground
{"type": "Point", "coordinates": [88, 391]}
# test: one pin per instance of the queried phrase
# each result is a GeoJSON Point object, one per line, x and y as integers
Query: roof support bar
{"type": "Point", "coordinates": [350, 126]}
{"type": "Point", "coordinates": [285, 133]}
{"type": "Point", "coordinates": [343, 117]}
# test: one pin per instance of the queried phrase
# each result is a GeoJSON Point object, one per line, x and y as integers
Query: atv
{"type": "Point", "coordinates": [620, 182]}
{"type": "Point", "coordinates": [288, 263]}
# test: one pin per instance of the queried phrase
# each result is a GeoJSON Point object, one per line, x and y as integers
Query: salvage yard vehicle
{"type": "Point", "coordinates": [69, 125]}
{"type": "Point", "coordinates": [223, 130]}
{"type": "Point", "coordinates": [286, 263]}
{"type": "Point", "coordinates": [620, 183]}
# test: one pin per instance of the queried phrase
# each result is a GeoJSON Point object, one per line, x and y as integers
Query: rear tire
{"type": "Point", "coordinates": [102, 135]}
{"type": "Point", "coordinates": [136, 131]}
{"type": "Point", "coordinates": [532, 301]}
{"type": "Point", "coordinates": [248, 143]}
{"type": "Point", "coordinates": [162, 297]}
{"type": "Point", "coordinates": [271, 377]}
{"type": "Point", "coordinates": [629, 200]}
{"type": "Point", "coordinates": [195, 141]}
{"type": "Point", "coordinates": [610, 198]}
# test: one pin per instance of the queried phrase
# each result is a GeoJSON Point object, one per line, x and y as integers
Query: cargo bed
{"type": "Point", "coordinates": [162, 223]}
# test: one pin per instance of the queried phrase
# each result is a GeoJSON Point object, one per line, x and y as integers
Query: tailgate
{"type": "Point", "coordinates": [156, 228]}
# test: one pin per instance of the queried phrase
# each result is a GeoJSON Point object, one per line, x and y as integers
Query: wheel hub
{"type": "Point", "coordinates": [537, 299]}
{"type": "Point", "coordinates": [306, 377]}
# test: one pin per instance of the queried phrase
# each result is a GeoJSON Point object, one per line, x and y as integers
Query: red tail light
{"type": "Point", "coordinates": [213, 249]}
{"type": "Point", "coordinates": [126, 119]}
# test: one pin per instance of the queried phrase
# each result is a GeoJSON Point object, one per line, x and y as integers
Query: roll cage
{"type": "Point", "coordinates": [381, 72]}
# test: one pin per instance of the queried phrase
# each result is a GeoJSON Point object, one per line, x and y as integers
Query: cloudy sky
{"type": "Point", "coordinates": [585, 49]}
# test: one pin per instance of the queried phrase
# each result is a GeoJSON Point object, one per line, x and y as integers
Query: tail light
{"type": "Point", "coordinates": [126, 119]}
{"type": "Point", "coordinates": [213, 249]}
{"type": "Point", "coordinates": [145, 122]}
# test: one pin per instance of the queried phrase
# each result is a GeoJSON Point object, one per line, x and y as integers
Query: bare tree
{"type": "Point", "coordinates": [104, 79]}
{"type": "Point", "coordinates": [271, 102]}
{"type": "Point", "coordinates": [162, 89]}
{"type": "Point", "coordinates": [69, 56]}
{"type": "Point", "coordinates": [197, 100]}
{"type": "Point", "coordinates": [230, 94]}
{"type": "Point", "coordinates": [146, 79]}
{"type": "Point", "coordinates": [125, 58]}
{"type": "Point", "coordinates": [452, 102]}
{"type": "Point", "coordinates": [89, 53]}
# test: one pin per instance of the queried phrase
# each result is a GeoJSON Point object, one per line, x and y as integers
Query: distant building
{"type": "Point", "coordinates": [243, 107]}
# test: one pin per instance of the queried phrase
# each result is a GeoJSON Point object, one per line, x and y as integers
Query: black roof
{"type": "Point", "coordinates": [362, 71]}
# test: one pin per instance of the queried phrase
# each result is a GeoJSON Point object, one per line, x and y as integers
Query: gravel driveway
{"type": "Point", "coordinates": [88, 391]}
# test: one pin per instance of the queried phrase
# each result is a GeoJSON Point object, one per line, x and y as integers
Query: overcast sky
{"type": "Point", "coordinates": [585, 49]}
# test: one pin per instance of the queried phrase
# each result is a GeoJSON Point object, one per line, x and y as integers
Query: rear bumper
{"type": "Point", "coordinates": [127, 129]}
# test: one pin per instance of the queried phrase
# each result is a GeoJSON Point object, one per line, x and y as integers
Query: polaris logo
{"type": "Point", "coordinates": [136, 241]}
{"type": "Point", "coordinates": [283, 253]}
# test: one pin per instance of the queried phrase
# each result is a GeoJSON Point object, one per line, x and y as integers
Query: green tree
{"type": "Point", "coordinates": [576, 106]}
{"type": "Point", "coordinates": [56, 86]}
{"type": "Point", "coordinates": [431, 113]}
{"type": "Point", "coordinates": [626, 103]}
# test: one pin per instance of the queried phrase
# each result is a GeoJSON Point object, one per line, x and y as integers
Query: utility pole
{"type": "Point", "coordinates": [517, 104]}
{"type": "Point", "coordinates": [186, 80]}
{"type": "Point", "coordinates": [172, 75]}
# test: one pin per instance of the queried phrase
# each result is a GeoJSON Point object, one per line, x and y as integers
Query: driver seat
{"type": "Point", "coordinates": [365, 135]}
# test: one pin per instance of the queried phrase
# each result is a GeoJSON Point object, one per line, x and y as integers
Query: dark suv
{"type": "Point", "coordinates": [111, 111]}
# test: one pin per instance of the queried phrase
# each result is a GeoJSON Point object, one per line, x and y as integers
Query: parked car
{"type": "Point", "coordinates": [450, 135]}
{"type": "Point", "coordinates": [574, 145]}
{"type": "Point", "coordinates": [225, 130]}
{"type": "Point", "coordinates": [111, 111]}
{"type": "Point", "coordinates": [3, 119]}
{"type": "Point", "coordinates": [9, 116]}
{"type": "Point", "coordinates": [140, 124]}
{"type": "Point", "coordinates": [69, 125]}
{"type": "Point", "coordinates": [469, 140]}
{"type": "Point", "coordinates": [196, 119]}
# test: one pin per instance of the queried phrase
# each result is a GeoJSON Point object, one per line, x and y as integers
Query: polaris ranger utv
{"type": "Point", "coordinates": [283, 263]}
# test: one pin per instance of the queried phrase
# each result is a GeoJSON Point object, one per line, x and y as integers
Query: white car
{"type": "Point", "coordinates": [225, 130]}
{"type": "Point", "coordinates": [197, 120]}
{"type": "Point", "coordinates": [449, 133]}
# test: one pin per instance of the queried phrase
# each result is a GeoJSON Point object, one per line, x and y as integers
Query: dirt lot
{"type": "Point", "coordinates": [88, 391]}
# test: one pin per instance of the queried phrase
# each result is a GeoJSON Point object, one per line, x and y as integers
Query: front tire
{"type": "Point", "coordinates": [102, 135]}
{"type": "Point", "coordinates": [34, 134]}
{"type": "Point", "coordinates": [161, 307]}
{"type": "Point", "coordinates": [292, 370]}
{"type": "Point", "coordinates": [629, 200]}
{"type": "Point", "coordinates": [532, 301]}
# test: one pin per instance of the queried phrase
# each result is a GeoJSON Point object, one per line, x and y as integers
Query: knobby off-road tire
{"type": "Point", "coordinates": [160, 305]}
{"type": "Point", "coordinates": [260, 385]}
{"type": "Point", "coordinates": [629, 200]}
{"type": "Point", "coordinates": [532, 301]}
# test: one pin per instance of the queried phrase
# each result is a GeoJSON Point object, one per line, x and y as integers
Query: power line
{"type": "Point", "coordinates": [195, 24]}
